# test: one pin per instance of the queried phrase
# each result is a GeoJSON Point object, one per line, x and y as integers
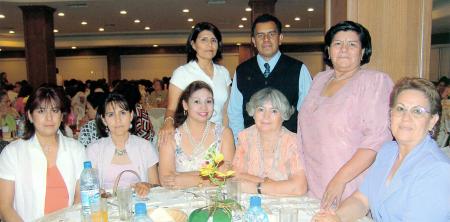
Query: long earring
{"type": "Point", "coordinates": [131, 125]}
{"type": "Point", "coordinates": [106, 129]}
{"type": "Point", "coordinates": [185, 112]}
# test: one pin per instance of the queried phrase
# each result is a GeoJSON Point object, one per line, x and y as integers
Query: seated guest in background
{"type": "Point", "coordinates": [410, 179]}
{"type": "Point", "coordinates": [343, 120]}
{"type": "Point", "coordinates": [8, 115]}
{"type": "Point", "coordinates": [143, 125]}
{"type": "Point", "coordinates": [204, 50]}
{"type": "Point", "coordinates": [158, 98]}
{"type": "Point", "coordinates": [88, 132]}
{"type": "Point", "coordinates": [25, 91]}
{"type": "Point", "coordinates": [195, 136]}
{"type": "Point", "coordinates": [119, 150]}
{"type": "Point", "coordinates": [40, 173]}
{"type": "Point", "coordinates": [267, 159]}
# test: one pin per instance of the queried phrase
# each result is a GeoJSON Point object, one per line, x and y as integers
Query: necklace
{"type": "Point", "coordinates": [275, 151]}
{"type": "Point", "coordinates": [191, 138]}
{"type": "Point", "coordinates": [120, 152]}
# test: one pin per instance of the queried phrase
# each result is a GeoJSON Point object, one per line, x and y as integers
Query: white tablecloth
{"type": "Point", "coordinates": [191, 199]}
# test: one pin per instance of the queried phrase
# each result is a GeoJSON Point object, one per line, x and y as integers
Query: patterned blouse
{"type": "Point", "coordinates": [188, 163]}
{"type": "Point", "coordinates": [88, 133]}
{"type": "Point", "coordinates": [144, 127]}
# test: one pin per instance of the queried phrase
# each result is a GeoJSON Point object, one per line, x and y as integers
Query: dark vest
{"type": "Point", "coordinates": [284, 77]}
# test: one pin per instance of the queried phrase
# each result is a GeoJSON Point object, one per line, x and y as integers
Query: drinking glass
{"type": "Point", "coordinates": [234, 191]}
{"type": "Point", "coordinates": [288, 214]}
{"type": "Point", "coordinates": [102, 214]}
{"type": "Point", "coordinates": [124, 201]}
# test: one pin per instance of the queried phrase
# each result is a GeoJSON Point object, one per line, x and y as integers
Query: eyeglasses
{"type": "Point", "coordinates": [416, 112]}
{"type": "Point", "coordinates": [269, 35]}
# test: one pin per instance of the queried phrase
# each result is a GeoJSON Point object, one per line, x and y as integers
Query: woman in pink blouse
{"type": "Point", "coordinates": [267, 159]}
{"type": "Point", "coordinates": [344, 118]}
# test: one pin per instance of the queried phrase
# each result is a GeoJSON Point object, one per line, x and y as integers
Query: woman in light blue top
{"type": "Point", "coordinates": [410, 179]}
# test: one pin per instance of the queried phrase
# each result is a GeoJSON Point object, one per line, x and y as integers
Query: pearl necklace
{"type": "Point", "coordinates": [191, 138]}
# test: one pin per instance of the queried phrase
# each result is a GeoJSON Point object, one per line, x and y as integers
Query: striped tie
{"type": "Point", "coordinates": [267, 71]}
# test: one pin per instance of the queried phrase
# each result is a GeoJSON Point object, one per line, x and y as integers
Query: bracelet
{"type": "Point", "coordinates": [200, 184]}
{"type": "Point", "coordinates": [169, 117]}
{"type": "Point", "coordinates": [258, 188]}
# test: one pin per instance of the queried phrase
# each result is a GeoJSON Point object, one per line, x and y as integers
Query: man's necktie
{"type": "Point", "coordinates": [267, 71]}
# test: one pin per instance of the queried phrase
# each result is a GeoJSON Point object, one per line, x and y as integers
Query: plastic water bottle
{"type": "Point", "coordinates": [90, 192]}
{"type": "Point", "coordinates": [20, 126]}
{"type": "Point", "coordinates": [255, 213]}
{"type": "Point", "coordinates": [140, 213]}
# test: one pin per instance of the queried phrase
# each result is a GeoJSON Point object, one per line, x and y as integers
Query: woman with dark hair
{"type": "Point", "coordinates": [88, 132]}
{"type": "Point", "coordinates": [204, 48]}
{"type": "Point", "coordinates": [8, 115]}
{"type": "Point", "coordinates": [158, 98]}
{"type": "Point", "coordinates": [343, 121]}
{"type": "Point", "coordinates": [40, 173]}
{"type": "Point", "coordinates": [120, 150]}
{"type": "Point", "coordinates": [195, 136]}
{"type": "Point", "coordinates": [410, 179]}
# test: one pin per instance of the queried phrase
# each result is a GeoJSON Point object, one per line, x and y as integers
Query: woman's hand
{"type": "Point", "coordinates": [171, 182]}
{"type": "Point", "coordinates": [166, 132]}
{"type": "Point", "coordinates": [325, 216]}
{"type": "Point", "coordinates": [142, 188]}
{"type": "Point", "coordinates": [333, 193]}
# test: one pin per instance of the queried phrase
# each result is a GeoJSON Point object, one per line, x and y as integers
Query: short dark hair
{"type": "Point", "coordinates": [120, 101]}
{"type": "Point", "coordinates": [45, 94]}
{"type": "Point", "coordinates": [199, 27]}
{"type": "Point", "coordinates": [266, 18]}
{"type": "Point", "coordinates": [96, 99]}
{"type": "Point", "coordinates": [364, 38]}
{"type": "Point", "coordinates": [179, 116]}
{"type": "Point", "coordinates": [130, 91]}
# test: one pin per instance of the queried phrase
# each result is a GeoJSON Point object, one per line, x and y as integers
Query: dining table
{"type": "Point", "coordinates": [187, 200]}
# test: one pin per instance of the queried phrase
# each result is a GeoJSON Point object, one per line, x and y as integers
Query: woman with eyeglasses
{"type": "Point", "coordinates": [410, 179]}
{"type": "Point", "coordinates": [195, 136]}
{"type": "Point", "coordinates": [204, 48]}
{"type": "Point", "coordinates": [343, 120]}
{"type": "Point", "coordinates": [40, 173]}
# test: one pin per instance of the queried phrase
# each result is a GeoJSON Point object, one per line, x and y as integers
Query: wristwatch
{"type": "Point", "coordinates": [258, 188]}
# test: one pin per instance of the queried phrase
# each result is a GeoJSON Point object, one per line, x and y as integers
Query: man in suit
{"type": "Point", "coordinates": [270, 68]}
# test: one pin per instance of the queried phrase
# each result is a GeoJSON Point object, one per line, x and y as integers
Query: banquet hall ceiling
{"type": "Point", "coordinates": [167, 24]}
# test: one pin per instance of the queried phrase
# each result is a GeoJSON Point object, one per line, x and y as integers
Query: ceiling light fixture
{"type": "Point", "coordinates": [287, 26]}
{"type": "Point", "coordinates": [101, 29]}
{"type": "Point", "coordinates": [61, 14]}
{"type": "Point", "coordinates": [190, 19]}
{"type": "Point", "coordinates": [147, 28]}
{"type": "Point", "coordinates": [74, 47]}
{"type": "Point", "coordinates": [137, 21]}
{"type": "Point", "coordinates": [155, 45]}
{"type": "Point", "coordinates": [0, 50]}
{"type": "Point", "coordinates": [248, 9]}
{"type": "Point", "coordinates": [84, 23]}
{"type": "Point", "coordinates": [244, 19]}
{"type": "Point", "coordinates": [297, 18]}
{"type": "Point", "coordinates": [2, 16]}
{"type": "Point", "coordinates": [123, 12]}
{"type": "Point", "coordinates": [55, 30]}
{"type": "Point", "coordinates": [310, 9]}
{"type": "Point", "coordinates": [238, 43]}
{"type": "Point", "coordinates": [185, 10]}
{"type": "Point", "coordinates": [11, 32]}
{"type": "Point", "coordinates": [193, 26]}
{"type": "Point", "coordinates": [241, 26]}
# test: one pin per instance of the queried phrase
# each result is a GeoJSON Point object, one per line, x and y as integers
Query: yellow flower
{"type": "Point", "coordinates": [218, 158]}
{"type": "Point", "coordinates": [207, 170]}
{"type": "Point", "coordinates": [226, 174]}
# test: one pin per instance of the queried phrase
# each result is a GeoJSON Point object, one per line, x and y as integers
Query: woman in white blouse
{"type": "Point", "coordinates": [40, 173]}
{"type": "Point", "coordinates": [204, 47]}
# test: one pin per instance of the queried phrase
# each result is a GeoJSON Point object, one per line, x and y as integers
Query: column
{"type": "Point", "coordinates": [400, 30]}
{"type": "Point", "coordinates": [39, 44]}
{"type": "Point", "coordinates": [114, 66]}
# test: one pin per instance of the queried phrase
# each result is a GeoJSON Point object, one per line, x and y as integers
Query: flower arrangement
{"type": "Point", "coordinates": [219, 204]}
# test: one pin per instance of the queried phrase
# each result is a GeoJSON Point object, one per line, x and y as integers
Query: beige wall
{"type": "Point", "coordinates": [312, 60]}
{"type": "Point", "coordinates": [15, 68]}
{"type": "Point", "coordinates": [82, 67]}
